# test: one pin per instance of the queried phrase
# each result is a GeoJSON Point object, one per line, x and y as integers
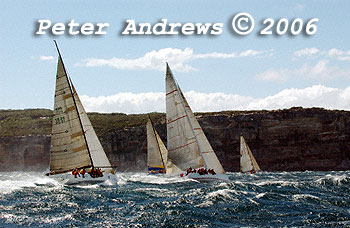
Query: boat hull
{"type": "Point", "coordinates": [208, 177]}
{"type": "Point", "coordinates": [69, 179]}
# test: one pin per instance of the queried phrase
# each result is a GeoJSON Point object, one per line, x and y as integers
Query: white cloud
{"type": "Point", "coordinates": [321, 70]}
{"type": "Point", "coordinates": [178, 59]}
{"type": "Point", "coordinates": [314, 96]}
{"type": "Point", "coordinates": [47, 58]}
{"type": "Point", "coordinates": [306, 51]}
{"type": "Point", "coordinates": [272, 75]}
{"type": "Point", "coordinates": [125, 103]}
{"type": "Point", "coordinates": [333, 53]}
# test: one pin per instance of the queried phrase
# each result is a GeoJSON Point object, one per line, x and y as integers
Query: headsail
{"type": "Point", "coordinates": [187, 144]}
{"type": "Point", "coordinates": [157, 154]}
{"type": "Point", "coordinates": [248, 162]}
{"type": "Point", "coordinates": [98, 155]}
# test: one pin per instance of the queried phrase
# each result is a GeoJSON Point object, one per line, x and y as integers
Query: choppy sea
{"type": "Point", "coordinates": [284, 199]}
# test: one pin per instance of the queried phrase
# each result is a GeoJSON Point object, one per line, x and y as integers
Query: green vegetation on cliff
{"type": "Point", "coordinates": [25, 122]}
{"type": "Point", "coordinates": [38, 121]}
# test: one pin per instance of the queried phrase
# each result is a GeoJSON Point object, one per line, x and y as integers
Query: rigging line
{"type": "Point", "coordinates": [75, 104]}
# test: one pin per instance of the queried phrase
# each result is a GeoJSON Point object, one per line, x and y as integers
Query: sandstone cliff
{"type": "Point", "coordinates": [283, 140]}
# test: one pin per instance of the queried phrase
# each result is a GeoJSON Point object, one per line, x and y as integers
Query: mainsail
{"type": "Point", "coordinates": [72, 130]}
{"type": "Point", "coordinates": [248, 162]}
{"type": "Point", "coordinates": [157, 154]}
{"type": "Point", "coordinates": [156, 151]}
{"type": "Point", "coordinates": [187, 144]}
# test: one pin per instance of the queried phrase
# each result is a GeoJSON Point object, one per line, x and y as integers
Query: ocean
{"type": "Point", "coordinates": [280, 199]}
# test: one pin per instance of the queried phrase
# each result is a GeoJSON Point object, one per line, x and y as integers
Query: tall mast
{"type": "Point", "coordinates": [154, 132]}
{"type": "Point", "coordinates": [75, 104]}
{"type": "Point", "coordinates": [187, 115]}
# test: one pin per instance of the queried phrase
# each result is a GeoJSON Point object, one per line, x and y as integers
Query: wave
{"type": "Point", "coordinates": [11, 181]}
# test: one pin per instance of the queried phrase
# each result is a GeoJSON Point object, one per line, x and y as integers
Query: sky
{"type": "Point", "coordinates": [126, 73]}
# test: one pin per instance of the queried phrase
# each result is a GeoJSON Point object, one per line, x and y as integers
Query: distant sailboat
{"type": "Point", "coordinates": [157, 154]}
{"type": "Point", "coordinates": [188, 147]}
{"type": "Point", "coordinates": [248, 162]}
{"type": "Point", "coordinates": [74, 143]}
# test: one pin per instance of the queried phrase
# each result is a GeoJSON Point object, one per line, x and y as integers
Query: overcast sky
{"type": "Point", "coordinates": [126, 73]}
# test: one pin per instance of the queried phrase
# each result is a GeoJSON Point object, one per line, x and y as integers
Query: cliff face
{"type": "Point", "coordinates": [283, 140]}
{"type": "Point", "coordinates": [24, 153]}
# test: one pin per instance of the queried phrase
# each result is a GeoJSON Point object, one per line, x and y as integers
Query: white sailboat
{"type": "Point", "coordinates": [157, 154]}
{"type": "Point", "coordinates": [247, 162]}
{"type": "Point", "coordinates": [188, 147]}
{"type": "Point", "coordinates": [74, 143]}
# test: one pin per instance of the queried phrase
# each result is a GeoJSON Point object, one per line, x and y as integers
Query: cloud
{"type": "Point", "coordinates": [321, 70]}
{"type": "Point", "coordinates": [333, 53]}
{"type": "Point", "coordinates": [178, 58]}
{"type": "Point", "coordinates": [125, 103]}
{"type": "Point", "coordinates": [272, 75]}
{"type": "Point", "coordinates": [314, 96]}
{"type": "Point", "coordinates": [47, 58]}
{"type": "Point", "coordinates": [306, 51]}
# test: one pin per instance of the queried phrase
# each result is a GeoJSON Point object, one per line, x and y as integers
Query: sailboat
{"type": "Point", "coordinates": [188, 147]}
{"type": "Point", "coordinates": [248, 162]}
{"type": "Point", "coordinates": [74, 143]}
{"type": "Point", "coordinates": [157, 154]}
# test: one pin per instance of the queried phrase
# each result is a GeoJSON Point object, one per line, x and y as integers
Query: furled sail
{"type": "Point", "coordinates": [98, 156]}
{"type": "Point", "coordinates": [187, 144]}
{"type": "Point", "coordinates": [248, 162]}
{"type": "Point", "coordinates": [68, 146]}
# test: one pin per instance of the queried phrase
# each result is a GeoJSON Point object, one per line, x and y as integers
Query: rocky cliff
{"type": "Point", "coordinates": [283, 140]}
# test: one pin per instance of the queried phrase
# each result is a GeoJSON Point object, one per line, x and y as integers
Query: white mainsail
{"type": "Point", "coordinates": [73, 140]}
{"type": "Point", "coordinates": [157, 154]}
{"type": "Point", "coordinates": [187, 144]}
{"type": "Point", "coordinates": [248, 162]}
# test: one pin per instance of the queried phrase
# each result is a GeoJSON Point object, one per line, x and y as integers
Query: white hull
{"type": "Point", "coordinates": [208, 177]}
{"type": "Point", "coordinates": [69, 179]}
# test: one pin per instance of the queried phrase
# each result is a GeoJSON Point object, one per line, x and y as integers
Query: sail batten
{"type": "Point", "coordinates": [187, 143]}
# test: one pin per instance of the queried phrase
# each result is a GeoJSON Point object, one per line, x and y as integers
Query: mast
{"type": "Point", "coordinates": [187, 115]}
{"type": "Point", "coordinates": [75, 105]}
{"type": "Point", "coordinates": [154, 132]}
